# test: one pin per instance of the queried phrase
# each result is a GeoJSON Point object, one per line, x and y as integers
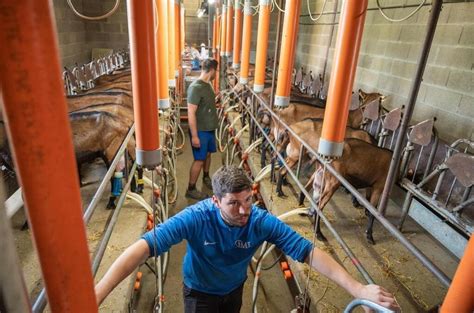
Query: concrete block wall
{"type": "Point", "coordinates": [389, 54]}
{"type": "Point", "coordinates": [77, 37]}
{"type": "Point", "coordinates": [71, 34]}
{"type": "Point", "coordinates": [196, 28]}
{"type": "Point", "coordinates": [109, 33]}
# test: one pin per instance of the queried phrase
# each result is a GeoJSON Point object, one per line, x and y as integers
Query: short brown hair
{"type": "Point", "coordinates": [230, 179]}
{"type": "Point", "coordinates": [209, 64]}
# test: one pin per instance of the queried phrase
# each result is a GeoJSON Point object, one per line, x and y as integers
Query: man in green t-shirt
{"type": "Point", "coordinates": [202, 118]}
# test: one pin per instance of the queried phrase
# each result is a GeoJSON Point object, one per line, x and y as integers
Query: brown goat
{"type": "Point", "coordinates": [364, 166]}
{"type": "Point", "coordinates": [79, 102]}
{"type": "Point", "coordinates": [124, 76]}
{"type": "Point", "coordinates": [309, 131]}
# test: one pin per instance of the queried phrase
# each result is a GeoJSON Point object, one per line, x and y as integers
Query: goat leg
{"type": "Point", "coordinates": [279, 188]}
{"type": "Point", "coordinates": [319, 233]}
{"type": "Point", "coordinates": [140, 183]}
{"type": "Point", "coordinates": [368, 231]}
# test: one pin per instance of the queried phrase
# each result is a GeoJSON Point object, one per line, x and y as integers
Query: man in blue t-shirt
{"type": "Point", "coordinates": [223, 233]}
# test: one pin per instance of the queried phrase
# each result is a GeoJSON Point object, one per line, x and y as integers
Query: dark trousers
{"type": "Point", "coordinates": [199, 302]}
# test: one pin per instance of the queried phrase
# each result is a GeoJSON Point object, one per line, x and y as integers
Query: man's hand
{"type": "Point", "coordinates": [378, 295]}
{"type": "Point", "coordinates": [125, 264]}
{"type": "Point", "coordinates": [195, 142]}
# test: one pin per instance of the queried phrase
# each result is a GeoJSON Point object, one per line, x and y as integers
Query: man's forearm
{"type": "Point", "coordinates": [125, 264]}
{"type": "Point", "coordinates": [192, 123]}
{"type": "Point", "coordinates": [327, 266]}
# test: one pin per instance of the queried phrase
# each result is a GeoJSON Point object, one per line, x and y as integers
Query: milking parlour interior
{"type": "Point", "coordinates": [229, 156]}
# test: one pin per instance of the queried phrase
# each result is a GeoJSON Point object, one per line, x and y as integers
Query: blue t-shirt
{"type": "Point", "coordinates": [217, 254]}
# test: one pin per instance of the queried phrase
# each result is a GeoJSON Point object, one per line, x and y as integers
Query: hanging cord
{"type": "Point", "coordinates": [315, 19]}
{"type": "Point", "coordinates": [321, 189]}
{"type": "Point", "coordinates": [277, 6]}
{"type": "Point", "coordinates": [402, 19]}
{"type": "Point", "coordinates": [157, 259]}
{"type": "Point", "coordinates": [256, 8]}
{"type": "Point", "coordinates": [94, 18]}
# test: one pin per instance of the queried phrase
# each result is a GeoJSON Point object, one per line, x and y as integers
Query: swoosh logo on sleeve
{"type": "Point", "coordinates": [207, 243]}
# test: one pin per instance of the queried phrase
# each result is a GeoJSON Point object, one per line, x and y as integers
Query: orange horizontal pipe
{"type": "Point", "coordinates": [346, 54]}
{"type": "Point", "coordinates": [161, 51]}
{"type": "Point", "coordinates": [287, 54]}
{"type": "Point", "coordinates": [460, 296]}
{"type": "Point", "coordinates": [246, 42]}
{"type": "Point", "coordinates": [142, 56]}
{"type": "Point", "coordinates": [177, 41]}
{"type": "Point", "coordinates": [171, 45]}
{"type": "Point", "coordinates": [262, 45]}
{"type": "Point", "coordinates": [223, 29]}
{"type": "Point", "coordinates": [38, 128]}
{"type": "Point", "coordinates": [237, 34]}
{"type": "Point", "coordinates": [229, 40]}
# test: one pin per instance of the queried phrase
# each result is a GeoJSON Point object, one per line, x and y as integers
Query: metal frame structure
{"type": "Point", "coordinates": [40, 302]}
{"type": "Point", "coordinates": [251, 111]}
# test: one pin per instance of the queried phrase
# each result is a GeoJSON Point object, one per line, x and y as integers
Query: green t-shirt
{"type": "Point", "coordinates": [201, 94]}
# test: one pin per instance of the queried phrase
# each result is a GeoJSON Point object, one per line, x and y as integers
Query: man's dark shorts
{"type": "Point", "coordinates": [208, 145]}
{"type": "Point", "coordinates": [199, 302]}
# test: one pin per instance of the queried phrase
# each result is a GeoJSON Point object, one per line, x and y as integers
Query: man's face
{"type": "Point", "coordinates": [235, 207]}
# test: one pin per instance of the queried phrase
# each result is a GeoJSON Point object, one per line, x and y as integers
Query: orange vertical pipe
{"type": "Point", "coordinates": [351, 26]}
{"type": "Point", "coordinates": [218, 33]}
{"type": "Point", "coordinates": [214, 31]}
{"type": "Point", "coordinates": [182, 28]}
{"type": "Point", "coordinates": [35, 112]}
{"type": "Point", "coordinates": [177, 40]}
{"type": "Point", "coordinates": [237, 34]}
{"type": "Point", "coordinates": [262, 45]}
{"type": "Point", "coordinates": [161, 51]}
{"type": "Point", "coordinates": [246, 42]}
{"type": "Point", "coordinates": [460, 296]}
{"type": "Point", "coordinates": [142, 56]}
{"type": "Point", "coordinates": [287, 55]}
{"type": "Point", "coordinates": [171, 45]}
{"type": "Point", "coordinates": [230, 29]}
{"type": "Point", "coordinates": [223, 30]}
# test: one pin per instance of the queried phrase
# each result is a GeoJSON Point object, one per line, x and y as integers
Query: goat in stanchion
{"type": "Point", "coordinates": [309, 131]}
{"type": "Point", "coordinates": [363, 165]}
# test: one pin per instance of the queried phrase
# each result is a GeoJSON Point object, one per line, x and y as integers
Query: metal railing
{"type": "Point", "coordinates": [443, 278]}
{"type": "Point", "coordinates": [41, 300]}
{"type": "Point", "coordinates": [82, 77]}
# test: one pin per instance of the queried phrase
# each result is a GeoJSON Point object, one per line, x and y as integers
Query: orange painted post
{"type": "Point", "coordinates": [237, 34]}
{"type": "Point", "coordinates": [161, 51]}
{"type": "Point", "coordinates": [182, 28]}
{"type": "Point", "coordinates": [246, 42]}
{"type": "Point", "coordinates": [287, 55]}
{"type": "Point", "coordinates": [351, 26]}
{"type": "Point", "coordinates": [460, 296]}
{"type": "Point", "coordinates": [223, 30]}
{"type": "Point", "coordinates": [35, 113]}
{"type": "Point", "coordinates": [177, 41]}
{"type": "Point", "coordinates": [214, 33]}
{"type": "Point", "coordinates": [142, 56]}
{"type": "Point", "coordinates": [262, 45]}
{"type": "Point", "coordinates": [218, 33]}
{"type": "Point", "coordinates": [171, 45]}
{"type": "Point", "coordinates": [230, 29]}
